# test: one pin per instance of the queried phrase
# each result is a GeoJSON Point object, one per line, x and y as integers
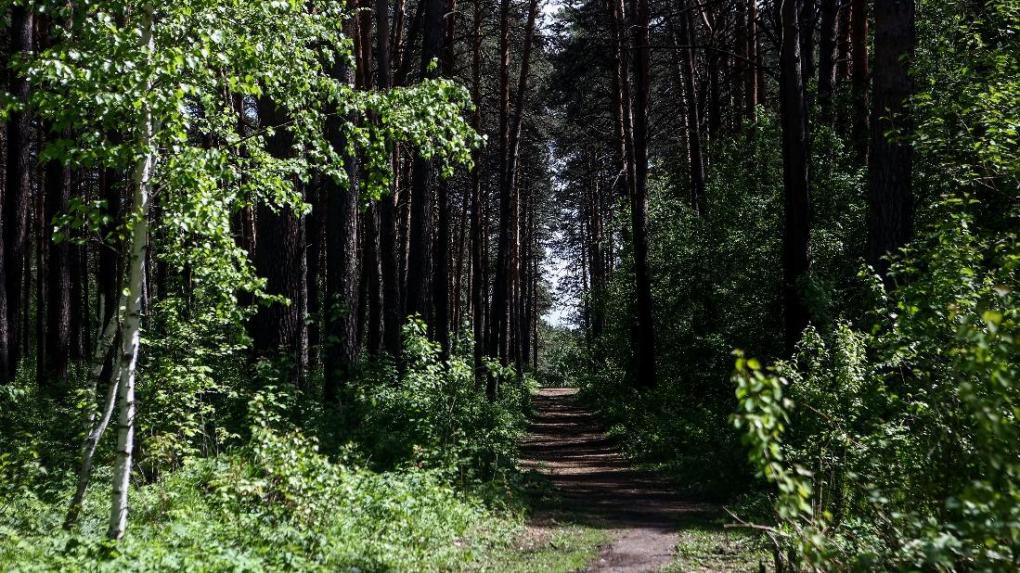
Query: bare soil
{"type": "Point", "coordinates": [597, 486]}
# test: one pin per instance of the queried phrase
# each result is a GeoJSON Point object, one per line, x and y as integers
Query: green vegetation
{"type": "Point", "coordinates": [273, 277]}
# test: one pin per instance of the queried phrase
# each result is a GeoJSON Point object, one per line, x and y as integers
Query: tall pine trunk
{"type": "Point", "coordinates": [827, 58]}
{"type": "Point", "coordinates": [479, 262]}
{"type": "Point", "coordinates": [644, 344]}
{"type": "Point", "coordinates": [859, 77]}
{"type": "Point", "coordinates": [796, 228]}
{"type": "Point", "coordinates": [341, 294]}
{"type": "Point", "coordinates": [279, 330]}
{"type": "Point", "coordinates": [388, 238]}
{"type": "Point", "coordinates": [17, 195]}
{"type": "Point", "coordinates": [890, 197]}
{"type": "Point", "coordinates": [421, 262]}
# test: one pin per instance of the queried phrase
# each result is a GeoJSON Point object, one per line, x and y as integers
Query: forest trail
{"type": "Point", "coordinates": [597, 485]}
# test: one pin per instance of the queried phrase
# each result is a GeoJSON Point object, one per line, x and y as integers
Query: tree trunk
{"type": "Point", "coordinates": [17, 195]}
{"type": "Point", "coordinates": [827, 58]}
{"type": "Point", "coordinates": [859, 77]}
{"type": "Point", "coordinates": [278, 330]}
{"type": "Point", "coordinates": [314, 233]}
{"type": "Point", "coordinates": [478, 260]}
{"type": "Point", "coordinates": [807, 41]}
{"type": "Point", "coordinates": [133, 289]}
{"type": "Point", "coordinates": [796, 230]}
{"type": "Point", "coordinates": [513, 188]}
{"type": "Point", "coordinates": [890, 197]}
{"type": "Point", "coordinates": [843, 41]}
{"type": "Point", "coordinates": [752, 91]}
{"type": "Point", "coordinates": [501, 287]}
{"type": "Point", "coordinates": [644, 344]}
{"type": "Point", "coordinates": [388, 239]}
{"type": "Point", "coordinates": [441, 252]}
{"type": "Point", "coordinates": [373, 280]}
{"type": "Point", "coordinates": [96, 426]}
{"type": "Point", "coordinates": [421, 264]}
{"type": "Point", "coordinates": [694, 147]}
{"type": "Point", "coordinates": [341, 294]}
{"type": "Point", "coordinates": [58, 279]}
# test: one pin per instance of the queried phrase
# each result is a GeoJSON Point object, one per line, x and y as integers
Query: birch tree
{"type": "Point", "coordinates": [153, 89]}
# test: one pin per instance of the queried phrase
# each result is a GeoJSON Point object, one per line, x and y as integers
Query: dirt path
{"type": "Point", "coordinates": [598, 486]}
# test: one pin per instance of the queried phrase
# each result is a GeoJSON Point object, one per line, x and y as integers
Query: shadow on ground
{"type": "Point", "coordinates": [579, 477]}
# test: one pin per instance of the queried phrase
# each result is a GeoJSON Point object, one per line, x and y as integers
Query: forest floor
{"type": "Point", "coordinates": [632, 517]}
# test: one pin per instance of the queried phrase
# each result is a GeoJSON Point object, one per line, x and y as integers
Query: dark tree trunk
{"type": "Point", "coordinates": [622, 105]}
{"type": "Point", "coordinates": [513, 188]}
{"type": "Point", "coordinates": [479, 261]}
{"type": "Point", "coordinates": [279, 330]}
{"type": "Point", "coordinates": [501, 288]}
{"type": "Point", "coordinates": [373, 281]}
{"type": "Point", "coordinates": [843, 41]}
{"type": "Point", "coordinates": [752, 91]}
{"type": "Point", "coordinates": [694, 147]}
{"type": "Point", "coordinates": [388, 239]}
{"type": "Point", "coordinates": [796, 229]}
{"type": "Point", "coordinates": [421, 261]}
{"type": "Point", "coordinates": [827, 58]}
{"type": "Point", "coordinates": [807, 41]}
{"type": "Point", "coordinates": [714, 95]}
{"type": "Point", "coordinates": [739, 69]}
{"type": "Point", "coordinates": [890, 200]}
{"type": "Point", "coordinates": [313, 236]}
{"type": "Point", "coordinates": [17, 196]}
{"type": "Point", "coordinates": [441, 252]}
{"type": "Point", "coordinates": [78, 272]}
{"type": "Point", "coordinates": [58, 279]}
{"type": "Point", "coordinates": [341, 293]}
{"type": "Point", "coordinates": [644, 350]}
{"type": "Point", "coordinates": [859, 77]}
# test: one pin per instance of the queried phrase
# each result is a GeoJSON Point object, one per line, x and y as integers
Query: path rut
{"type": "Point", "coordinates": [599, 487]}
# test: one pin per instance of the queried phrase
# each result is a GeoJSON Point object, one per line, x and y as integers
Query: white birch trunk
{"type": "Point", "coordinates": [134, 290]}
{"type": "Point", "coordinates": [96, 428]}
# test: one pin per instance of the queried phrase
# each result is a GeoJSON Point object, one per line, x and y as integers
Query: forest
{"type": "Point", "coordinates": [510, 285]}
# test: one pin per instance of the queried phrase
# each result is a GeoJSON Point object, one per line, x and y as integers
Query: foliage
{"type": "Point", "coordinates": [906, 415]}
{"type": "Point", "coordinates": [274, 502]}
{"type": "Point", "coordinates": [275, 505]}
{"type": "Point", "coordinates": [211, 64]}
{"type": "Point", "coordinates": [432, 415]}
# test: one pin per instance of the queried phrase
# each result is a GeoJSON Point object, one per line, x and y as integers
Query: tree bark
{"type": "Point", "coordinates": [479, 262]}
{"type": "Point", "coordinates": [859, 77]}
{"type": "Point", "coordinates": [890, 197]}
{"type": "Point", "coordinates": [17, 195]}
{"type": "Point", "coordinates": [441, 252]}
{"type": "Point", "coordinates": [278, 330]}
{"type": "Point", "coordinates": [421, 262]}
{"type": "Point", "coordinates": [796, 229]}
{"type": "Point", "coordinates": [501, 288]}
{"type": "Point", "coordinates": [341, 294]}
{"type": "Point", "coordinates": [134, 291]}
{"type": "Point", "coordinates": [622, 105]}
{"type": "Point", "coordinates": [388, 238]}
{"type": "Point", "coordinates": [644, 344]}
{"type": "Point", "coordinates": [843, 41]}
{"type": "Point", "coordinates": [694, 146]}
{"type": "Point", "coordinates": [808, 15]}
{"type": "Point", "coordinates": [373, 280]}
{"type": "Point", "coordinates": [752, 91]}
{"type": "Point", "coordinates": [58, 279]}
{"type": "Point", "coordinates": [827, 58]}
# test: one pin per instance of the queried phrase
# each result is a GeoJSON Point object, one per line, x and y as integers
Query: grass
{"type": "Point", "coordinates": [706, 545]}
{"type": "Point", "coordinates": [549, 546]}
